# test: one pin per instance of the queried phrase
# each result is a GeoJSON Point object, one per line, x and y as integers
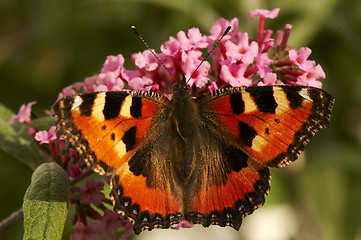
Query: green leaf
{"type": "Point", "coordinates": [45, 203]}
{"type": "Point", "coordinates": [15, 140]}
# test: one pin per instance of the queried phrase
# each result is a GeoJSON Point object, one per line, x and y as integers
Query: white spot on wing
{"type": "Point", "coordinates": [304, 93]}
{"type": "Point", "coordinates": [77, 101]}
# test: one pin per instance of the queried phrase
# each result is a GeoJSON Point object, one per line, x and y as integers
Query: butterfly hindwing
{"type": "Point", "coordinates": [141, 191]}
{"type": "Point", "coordinates": [232, 187]}
{"type": "Point", "coordinates": [144, 189]}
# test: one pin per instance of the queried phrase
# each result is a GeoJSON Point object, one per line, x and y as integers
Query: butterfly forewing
{"type": "Point", "coordinates": [272, 124]}
{"type": "Point", "coordinates": [107, 126]}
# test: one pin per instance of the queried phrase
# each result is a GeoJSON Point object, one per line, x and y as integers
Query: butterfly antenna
{"type": "Point", "coordinates": [147, 46]}
{"type": "Point", "coordinates": [214, 47]}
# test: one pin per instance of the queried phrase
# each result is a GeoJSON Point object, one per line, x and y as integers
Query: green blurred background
{"type": "Point", "coordinates": [47, 45]}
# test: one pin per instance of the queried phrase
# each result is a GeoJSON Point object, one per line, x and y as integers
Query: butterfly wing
{"type": "Point", "coordinates": [272, 124]}
{"type": "Point", "coordinates": [114, 134]}
{"type": "Point", "coordinates": [255, 128]}
{"type": "Point", "coordinates": [105, 127]}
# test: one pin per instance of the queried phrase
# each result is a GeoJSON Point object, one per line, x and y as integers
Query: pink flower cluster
{"type": "Point", "coordinates": [89, 224]}
{"type": "Point", "coordinates": [237, 61]}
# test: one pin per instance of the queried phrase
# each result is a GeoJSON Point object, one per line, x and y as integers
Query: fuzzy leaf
{"type": "Point", "coordinates": [45, 203]}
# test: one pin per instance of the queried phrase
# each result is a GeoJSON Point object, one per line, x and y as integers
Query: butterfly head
{"type": "Point", "coordinates": [181, 88]}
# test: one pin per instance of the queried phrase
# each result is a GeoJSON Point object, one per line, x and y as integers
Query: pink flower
{"type": "Point", "coordinates": [70, 90]}
{"type": "Point", "coordinates": [109, 81]}
{"type": "Point", "coordinates": [115, 84]}
{"type": "Point", "coordinates": [46, 137]}
{"type": "Point", "coordinates": [23, 114]}
{"type": "Point", "coordinates": [90, 83]}
{"type": "Point", "coordinates": [267, 42]}
{"type": "Point", "coordinates": [191, 62]}
{"type": "Point", "coordinates": [145, 60]}
{"type": "Point", "coordinates": [262, 64]}
{"type": "Point", "coordinates": [264, 13]}
{"type": "Point", "coordinates": [213, 86]}
{"type": "Point", "coordinates": [234, 74]}
{"type": "Point", "coordinates": [101, 88]}
{"type": "Point", "coordinates": [170, 47]}
{"type": "Point", "coordinates": [183, 224]}
{"type": "Point", "coordinates": [127, 75]}
{"type": "Point", "coordinates": [173, 64]}
{"type": "Point", "coordinates": [310, 77]}
{"type": "Point", "coordinates": [243, 51]}
{"type": "Point", "coordinates": [268, 80]}
{"type": "Point", "coordinates": [155, 88]}
{"type": "Point", "coordinates": [300, 58]}
{"type": "Point", "coordinates": [67, 91]}
{"type": "Point", "coordinates": [195, 40]}
{"type": "Point", "coordinates": [91, 192]}
{"type": "Point", "coordinates": [113, 64]}
{"type": "Point", "coordinates": [83, 232]}
{"type": "Point", "coordinates": [137, 84]}
{"type": "Point", "coordinates": [74, 171]}
{"type": "Point", "coordinates": [220, 26]}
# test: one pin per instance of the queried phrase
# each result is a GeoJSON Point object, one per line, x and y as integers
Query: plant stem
{"type": "Point", "coordinates": [12, 219]}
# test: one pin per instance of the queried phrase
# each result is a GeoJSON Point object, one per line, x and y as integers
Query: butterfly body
{"type": "Point", "coordinates": [205, 159]}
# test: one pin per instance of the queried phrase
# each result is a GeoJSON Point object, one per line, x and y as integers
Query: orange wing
{"type": "Point", "coordinates": [272, 124]}
{"type": "Point", "coordinates": [230, 191]}
{"type": "Point", "coordinates": [106, 127]}
{"type": "Point", "coordinates": [112, 132]}
{"type": "Point", "coordinates": [253, 128]}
